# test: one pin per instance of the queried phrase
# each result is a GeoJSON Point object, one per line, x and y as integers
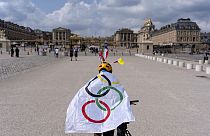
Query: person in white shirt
{"type": "Point", "coordinates": [56, 52]}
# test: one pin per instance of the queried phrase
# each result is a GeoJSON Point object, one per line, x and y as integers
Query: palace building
{"type": "Point", "coordinates": [205, 40]}
{"type": "Point", "coordinates": [43, 37]}
{"type": "Point", "coordinates": [10, 32]}
{"type": "Point", "coordinates": [182, 36]}
{"type": "Point", "coordinates": [61, 37]}
{"type": "Point", "coordinates": [125, 38]}
{"type": "Point", "coordinates": [144, 39]}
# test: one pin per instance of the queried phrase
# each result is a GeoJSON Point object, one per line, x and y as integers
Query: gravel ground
{"type": "Point", "coordinates": [12, 66]}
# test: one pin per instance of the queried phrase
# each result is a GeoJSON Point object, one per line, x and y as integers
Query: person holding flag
{"type": "Point", "coordinates": [103, 54]}
{"type": "Point", "coordinates": [100, 106]}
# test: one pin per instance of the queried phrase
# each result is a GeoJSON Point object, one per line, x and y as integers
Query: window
{"type": "Point", "coordinates": [147, 47]}
{"type": "Point", "coordinates": [196, 38]}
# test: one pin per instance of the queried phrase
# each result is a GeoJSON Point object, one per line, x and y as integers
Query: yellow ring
{"type": "Point", "coordinates": [102, 80]}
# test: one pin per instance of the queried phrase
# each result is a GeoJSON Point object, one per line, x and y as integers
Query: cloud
{"type": "Point", "coordinates": [22, 12]}
{"type": "Point", "coordinates": [121, 3]}
{"type": "Point", "coordinates": [104, 17]}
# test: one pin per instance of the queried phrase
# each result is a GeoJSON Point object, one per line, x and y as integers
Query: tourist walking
{"type": "Point", "coordinates": [206, 56]}
{"type": "Point", "coordinates": [12, 52]}
{"type": "Point", "coordinates": [76, 53]}
{"type": "Point", "coordinates": [71, 53]}
{"type": "Point", "coordinates": [17, 51]}
{"type": "Point", "coordinates": [56, 52]}
{"type": "Point", "coordinates": [37, 50]}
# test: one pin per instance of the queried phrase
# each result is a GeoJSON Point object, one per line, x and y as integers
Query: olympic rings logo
{"type": "Point", "coordinates": [100, 104]}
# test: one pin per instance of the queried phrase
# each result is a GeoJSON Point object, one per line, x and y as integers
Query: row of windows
{"type": "Point", "coordinates": [188, 39]}
{"type": "Point", "coordinates": [15, 28]}
{"type": "Point", "coordinates": [14, 35]}
{"type": "Point", "coordinates": [188, 33]}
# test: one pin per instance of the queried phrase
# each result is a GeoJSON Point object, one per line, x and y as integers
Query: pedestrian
{"type": "Point", "coordinates": [76, 53]}
{"type": "Point", "coordinates": [71, 53]}
{"type": "Point", "coordinates": [17, 51]}
{"type": "Point", "coordinates": [56, 52]}
{"type": "Point", "coordinates": [12, 52]}
{"type": "Point", "coordinates": [37, 50]}
{"type": "Point", "coordinates": [206, 56]}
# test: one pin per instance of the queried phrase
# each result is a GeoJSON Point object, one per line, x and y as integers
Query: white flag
{"type": "Point", "coordinates": [99, 106]}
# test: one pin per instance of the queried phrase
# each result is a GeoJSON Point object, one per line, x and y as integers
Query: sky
{"type": "Point", "coordinates": [103, 17]}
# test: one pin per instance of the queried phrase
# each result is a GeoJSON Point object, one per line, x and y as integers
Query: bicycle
{"type": "Point", "coordinates": [122, 130]}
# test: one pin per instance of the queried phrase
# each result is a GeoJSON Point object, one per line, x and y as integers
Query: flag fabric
{"type": "Point", "coordinates": [101, 56]}
{"type": "Point", "coordinates": [120, 61]}
{"type": "Point", "coordinates": [99, 106]}
{"type": "Point", "coordinates": [105, 53]}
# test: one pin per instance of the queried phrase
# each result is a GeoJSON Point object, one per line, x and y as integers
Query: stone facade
{"type": "Point", "coordinates": [97, 41]}
{"type": "Point", "coordinates": [144, 39]}
{"type": "Point", "coordinates": [182, 36]}
{"type": "Point", "coordinates": [75, 39]}
{"type": "Point", "coordinates": [125, 38]}
{"type": "Point", "coordinates": [205, 41]}
{"type": "Point", "coordinates": [43, 37]}
{"type": "Point", "coordinates": [10, 33]}
{"type": "Point", "coordinates": [61, 36]}
{"type": "Point", "coordinates": [15, 32]}
{"type": "Point", "coordinates": [4, 43]}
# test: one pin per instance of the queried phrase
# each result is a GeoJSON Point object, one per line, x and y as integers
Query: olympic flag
{"type": "Point", "coordinates": [99, 106]}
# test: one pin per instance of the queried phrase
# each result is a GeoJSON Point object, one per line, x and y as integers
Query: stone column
{"type": "Point", "coordinates": [131, 41]}
{"type": "Point", "coordinates": [65, 38]}
{"type": "Point", "coordinates": [127, 39]}
{"type": "Point", "coordinates": [53, 36]}
{"type": "Point", "coordinates": [123, 40]}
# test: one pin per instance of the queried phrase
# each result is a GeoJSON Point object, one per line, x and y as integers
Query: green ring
{"type": "Point", "coordinates": [105, 88]}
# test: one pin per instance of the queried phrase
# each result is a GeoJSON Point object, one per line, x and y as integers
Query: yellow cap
{"type": "Point", "coordinates": [105, 66]}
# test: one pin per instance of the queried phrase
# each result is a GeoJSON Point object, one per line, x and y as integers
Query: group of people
{"type": "Point", "coordinates": [73, 52]}
{"type": "Point", "coordinates": [16, 51]}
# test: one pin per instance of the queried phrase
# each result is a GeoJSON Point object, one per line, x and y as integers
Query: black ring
{"type": "Point", "coordinates": [98, 95]}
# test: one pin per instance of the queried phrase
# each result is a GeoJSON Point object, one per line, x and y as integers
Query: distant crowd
{"type": "Point", "coordinates": [15, 51]}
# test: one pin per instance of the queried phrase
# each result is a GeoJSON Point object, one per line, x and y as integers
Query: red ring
{"type": "Point", "coordinates": [92, 120]}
